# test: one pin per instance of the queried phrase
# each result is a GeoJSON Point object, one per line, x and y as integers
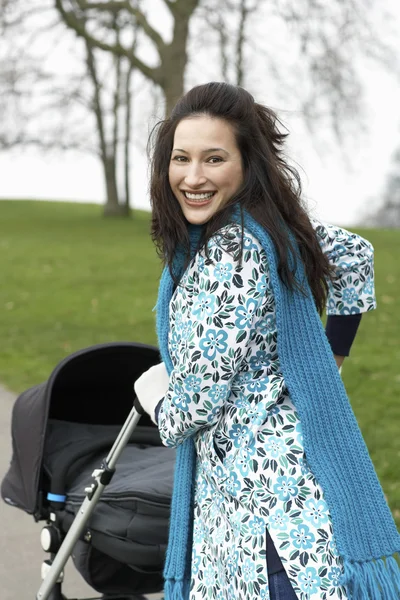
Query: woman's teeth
{"type": "Point", "coordinates": [198, 197]}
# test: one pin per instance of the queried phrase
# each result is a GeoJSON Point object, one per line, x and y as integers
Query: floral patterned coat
{"type": "Point", "coordinates": [228, 392]}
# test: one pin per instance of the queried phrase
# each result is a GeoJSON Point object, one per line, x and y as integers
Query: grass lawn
{"type": "Point", "coordinates": [71, 279]}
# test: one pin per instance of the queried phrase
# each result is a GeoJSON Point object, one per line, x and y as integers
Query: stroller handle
{"type": "Point", "coordinates": [100, 478]}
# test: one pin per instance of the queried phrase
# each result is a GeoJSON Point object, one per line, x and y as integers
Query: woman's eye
{"type": "Point", "coordinates": [215, 159]}
{"type": "Point", "coordinates": [179, 158]}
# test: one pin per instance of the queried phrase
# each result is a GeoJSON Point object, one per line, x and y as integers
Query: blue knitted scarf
{"type": "Point", "coordinates": [365, 532]}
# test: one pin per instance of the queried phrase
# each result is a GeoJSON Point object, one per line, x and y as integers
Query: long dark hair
{"type": "Point", "coordinates": [271, 190]}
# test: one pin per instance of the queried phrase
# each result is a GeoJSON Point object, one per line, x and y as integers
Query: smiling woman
{"type": "Point", "coordinates": [275, 495]}
{"type": "Point", "coordinates": [205, 171]}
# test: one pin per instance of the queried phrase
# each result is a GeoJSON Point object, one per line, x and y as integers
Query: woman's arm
{"type": "Point", "coordinates": [341, 331]}
{"type": "Point", "coordinates": [352, 290]}
{"type": "Point", "coordinates": [220, 319]}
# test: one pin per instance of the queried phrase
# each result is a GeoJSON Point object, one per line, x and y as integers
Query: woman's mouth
{"type": "Point", "coordinates": [198, 198]}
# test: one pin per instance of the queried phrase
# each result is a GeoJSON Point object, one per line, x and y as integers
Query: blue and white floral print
{"type": "Point", "coordinates": [227, 391]}
{"type": "Point", "coordinates": [352, 258]}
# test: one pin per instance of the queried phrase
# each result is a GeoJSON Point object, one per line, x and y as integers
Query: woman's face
{"type": "Point", "coordinates": [205, 170]}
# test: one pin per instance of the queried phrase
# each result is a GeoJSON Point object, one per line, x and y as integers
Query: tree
{"type": "Point", "coordinates": [308, 50]}
{"type": "Point", "coordinates": [231, 36]}
{"type": "Point", "coordinates": [311, 51]}
{"type": "Point", "coordinates": [101, 88]}
{"type": "Point", "coordinates": [122, 103]}
{"type": "Point", "coordinates": [85, 18]}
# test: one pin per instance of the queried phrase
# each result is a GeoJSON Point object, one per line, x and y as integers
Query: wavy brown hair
{"type": "Point", "coordinates": [271, 190]}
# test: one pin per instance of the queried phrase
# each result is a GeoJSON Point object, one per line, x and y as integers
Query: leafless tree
{"type": "Point", "coordinates": [228, 19]}
{"type": "Point", "coordinates": [323, 42]}
{"type": "Point", "coordinates": [311, 51]}
{"type": "Point", "coordinates": [88, 110]}
{"type": "Point", "coordinates": [119, 138]}
{"type": "Point", "coordinates": [85, 18]}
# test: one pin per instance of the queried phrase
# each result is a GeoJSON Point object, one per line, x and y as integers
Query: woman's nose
{"type": "Point", "coordinates": [194, 175]}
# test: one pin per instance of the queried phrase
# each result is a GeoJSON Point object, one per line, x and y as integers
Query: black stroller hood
{"type": "Point", "coordinates": [93, 385]}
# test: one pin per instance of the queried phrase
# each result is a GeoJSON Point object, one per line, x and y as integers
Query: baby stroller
{"type": "Point", "coordinates": [62, 430]}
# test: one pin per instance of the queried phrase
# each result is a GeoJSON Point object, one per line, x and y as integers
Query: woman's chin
{"type": "Point", "coordinates": [198, 216]}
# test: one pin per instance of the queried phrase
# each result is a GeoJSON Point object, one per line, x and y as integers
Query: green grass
{"type": "Point", "coordinates": [71, 278]}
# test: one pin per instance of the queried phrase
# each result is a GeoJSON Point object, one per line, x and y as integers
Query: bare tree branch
{"type": "Point", "coordinates": [79, 27]}
{"type": "Point", "coordinates": [7, 21]}
{"type": "Point", "coordinates": [115, 6]}
{"type": "Point", "coordinates": [169, 73]}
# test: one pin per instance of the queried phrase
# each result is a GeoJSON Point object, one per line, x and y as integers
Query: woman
{"type": "Point", "coordinates": [275, 496]}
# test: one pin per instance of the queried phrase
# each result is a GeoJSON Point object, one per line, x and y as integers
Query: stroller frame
{"type": "Point", "coordinates": [50, 588]}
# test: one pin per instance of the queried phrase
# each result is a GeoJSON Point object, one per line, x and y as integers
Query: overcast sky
{"type": "Point", "coordinates": [336, 191]}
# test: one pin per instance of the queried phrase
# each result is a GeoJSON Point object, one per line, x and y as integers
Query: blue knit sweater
{"type": "Point", "coordinates": [365, 532]}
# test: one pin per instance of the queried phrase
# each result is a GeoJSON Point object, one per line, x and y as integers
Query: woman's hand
{"type": "Point", "coordinates": [151, 387]}
{"type": "Point", "coordinates": [339, 360]}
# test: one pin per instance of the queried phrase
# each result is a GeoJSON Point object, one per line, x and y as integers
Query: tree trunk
{"type": "Point", "coordinates": [127, 141]}
{"type": "Point", "coordinates": [173, 90]}
{"type": "Point", "coordinates": [112, 207]}
{"type": "Point", "coordinates": [174, 56]}
{"type": "Point", "coordinates": [240, 43]}
{"type": "Point", "coordinates": [173, 73]}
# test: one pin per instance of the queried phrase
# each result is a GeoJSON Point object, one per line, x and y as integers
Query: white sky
{"type": "Point", "coordinates": [335, 192]}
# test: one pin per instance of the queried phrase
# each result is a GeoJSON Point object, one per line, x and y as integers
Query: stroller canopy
{"type": "Point", "coordinates": [93, 385]}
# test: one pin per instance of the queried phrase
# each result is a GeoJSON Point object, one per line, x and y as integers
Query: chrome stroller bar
{"type": "Point", "coordinates": [101, 477]}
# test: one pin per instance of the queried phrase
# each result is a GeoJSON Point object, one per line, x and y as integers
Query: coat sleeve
{"type": "Point", "coordinates": [220, 313]}
{"type": "Point", "coordinates": [352, 289]}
